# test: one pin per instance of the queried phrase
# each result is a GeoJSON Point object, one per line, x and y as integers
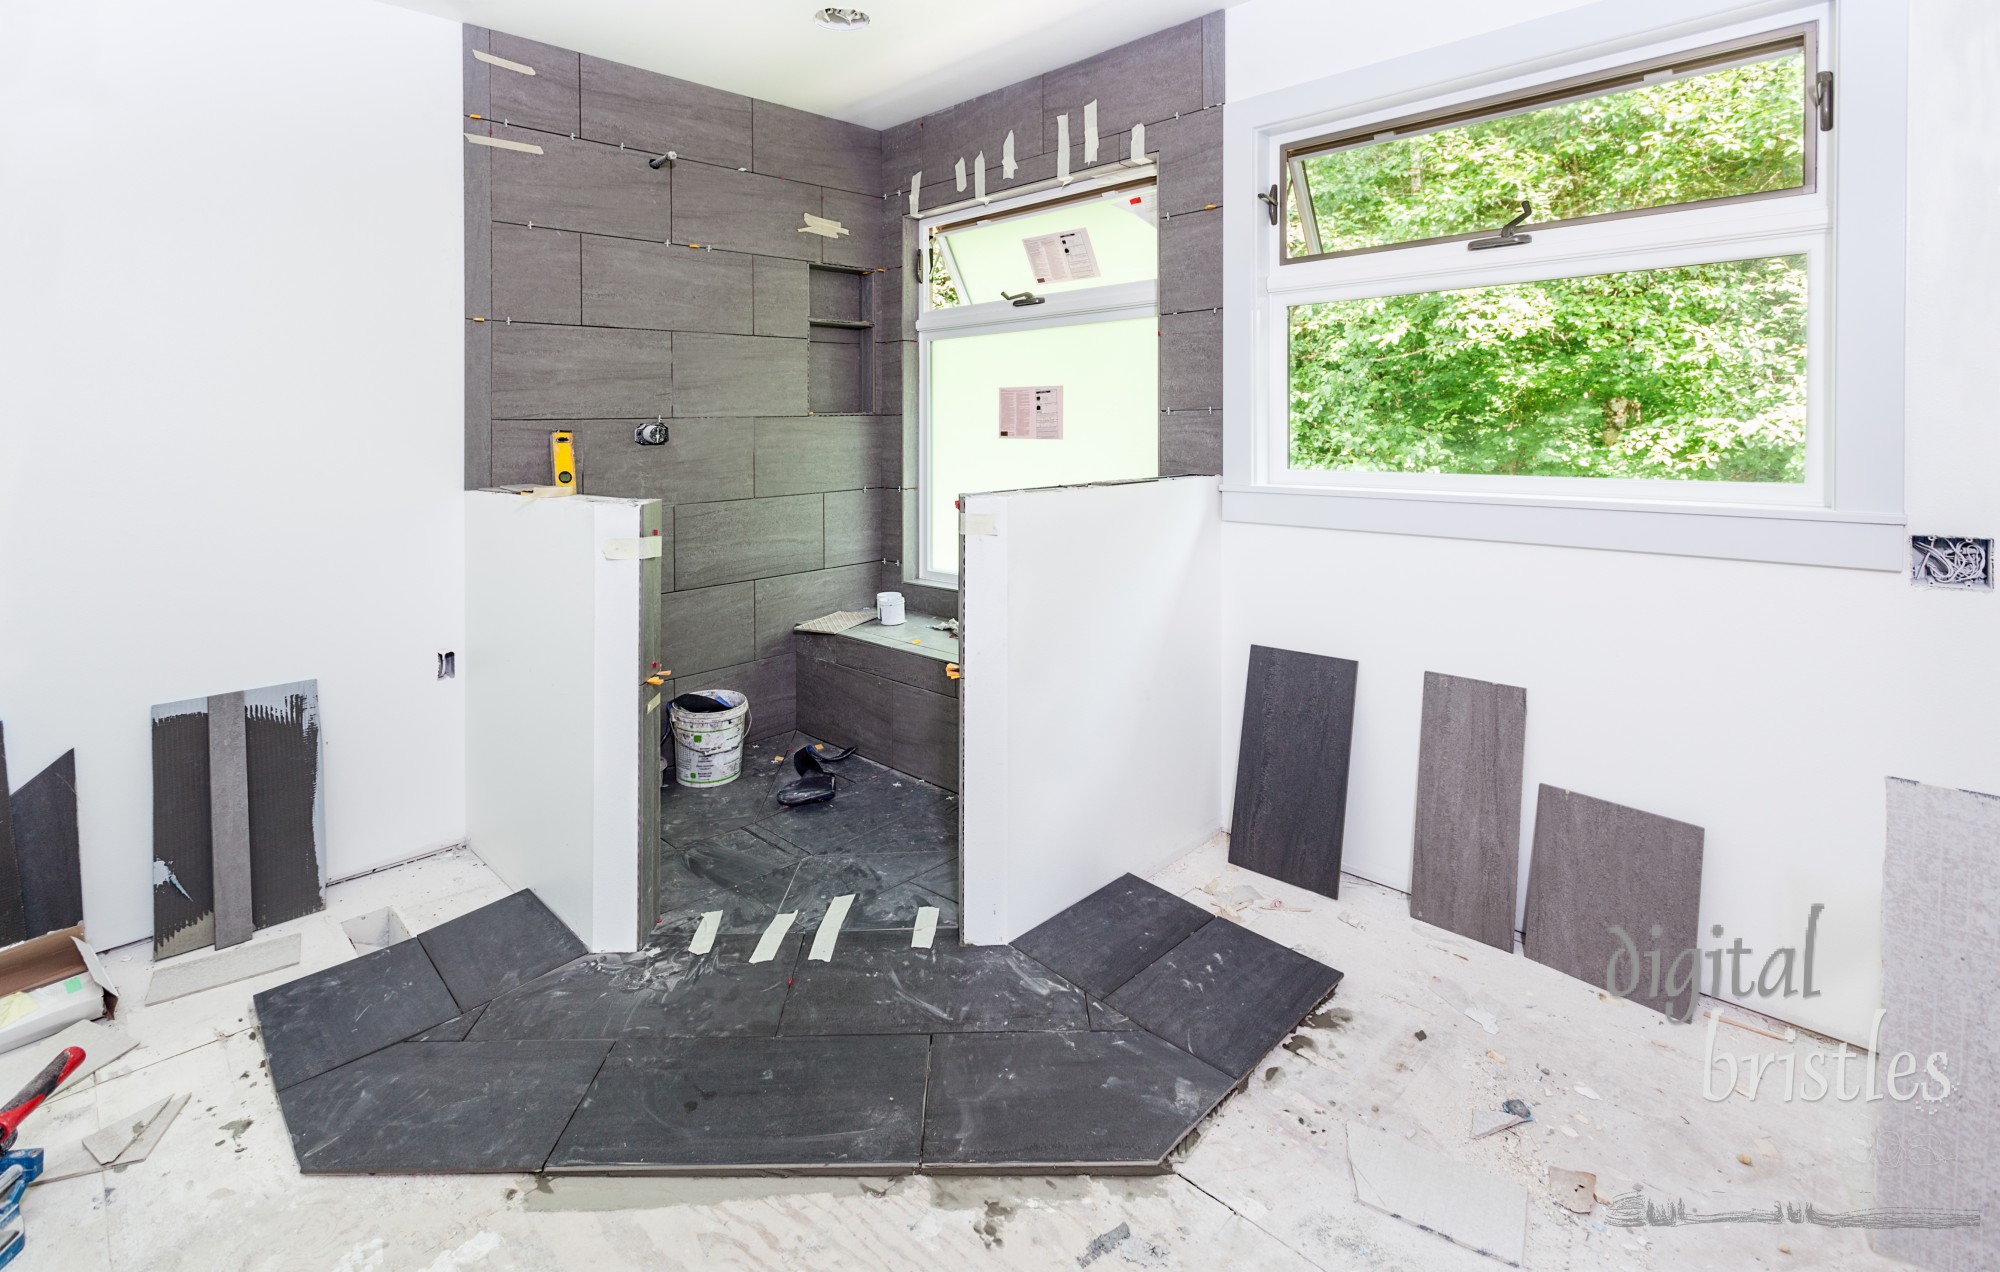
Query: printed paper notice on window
{"type": "Point", "coordinates": [1034, 413]}
{"type": "Point", "coordinates": [1061, 258]}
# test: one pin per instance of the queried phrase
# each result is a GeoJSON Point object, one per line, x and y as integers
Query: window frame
{"type": "Point", "coordinates": [1083, 305]}
{"type": "Point", "coordinates": [1851, 513]}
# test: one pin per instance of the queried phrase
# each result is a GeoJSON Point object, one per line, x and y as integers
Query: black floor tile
{"type": "Point", "coordinates": [656, 993]}
{"type": "Point", "coordinates": [1226, 994]}
{"type": "Point", "coordinates": [484, 954]}
{"type": "Point", "coordinates": [943, 880]}
{"type": "Point", "coordinates": [877, 984]}
{"type": "Point", "coordinates": [322, 1021]}
{"type": "Point", "coordinates": [1111, 935]}
{"type": "Point", "coordinates": [1062, 1099]}
{"type": "Point", "coordinates": [737, 873]}
{"type": "Point", "coordinates": [1106, 1020]}
{"type": "Point", "coordinates": [884, 897]}
{"type": "Point", "coordinates": [714, 1104]}
{"type": "Point", "coordinates": [440, 1106]}
{"type": "Point", "coordinates": [873, 810]}
{"type": "Point", "coordinates": [453, 1030]}
{"type": "Point", "coordinates": [690, 813]}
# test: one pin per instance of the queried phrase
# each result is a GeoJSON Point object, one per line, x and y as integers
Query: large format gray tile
{"type": "Point", "coordinates": [703, 461]}
{"type": "Point", "coordinates": [708, 627]}
{"type": "Point", "coordinates": [1598, 866]}
{"type": "Point", "coordinates": [909, 664]}
{"type": "Point", "coordinates": [838, 379]}
{"type": "Point", "coordinates": [655, 993]}
{"type": "Point", "coordinates": [444, 1107]}
{"type": "Point", "coordinates": [961, 131]}
{"type": "Point", "coordinates": [322, 1021]}
{"type": "Point", "coordinates": [535, 275]}
{"type": "Point", "coordinates": [769, 684]}
{"type": "Point", "coordinates": [657, 113]}
{"type": "Point", "coordinates": [780, 295]}
{"type": "Point", "coordinates": [1226, 995]}
{"type": "Point", "coordinates": [748, 539]}
{"type": "Point", "coordinates": [632, 284]}
{"type": "Point", "coordinates": [1940, 928]}
{"type": "Point", "coordinates": [765, 1103]}
{"type": "Point", "coordinates": [1190, 159]}
{"type": "Point", "coordinates": [692, 817]}
{"type": "Point", "coordinates": [1191, 262]}
{"type": "Point", "coordinates": [547, 99]}
{"type": "Point", "coordinates": [911, 729]}
{"type": "Point", "coordinates": [854, 526]}
{"type": "Point", "coordinates": [1468, 840]}
{"type": "Point", "coordinates": [745, 212]}
{"type": "Point", "coordinates": [1291, 772]}
{"type": "Point", "coordinates": [883, 885]}
{"type": "Point", "coordinates": [801, 146]}
{"type": "Point", "coordinates": [581, 185]}
{"type": "Point", "coordinates": [739, 375]}
{"type": "Point", "coordinates": [875, 810]}
{"type": "Point", "coordinates": [488, 951]}
{"type": "Point", "coordinates": [837, 294]}
{"type": "Point", "coordinates": [1113, 934]}
{"type": "Point", "coordinates": [1150, 79]}
{"type": "Point", "coordinates": [1214, 30]}
{"type": "Point", "coordinates": [804, 454]}
{"type": "Point", "coordinates": [786, 600]}
{"type": "Point", "coordinates": [862, 246]}
{"type": "Point", "coordinates": [580, 373]}
{"type": "Point", "coordinates": [1190, 443]}
{"type": "Point", "coordinates": [877, 984]}
{"type": "Point", "coordinates": [1071, 1099]}
{"type": "Point", "coordinates": [1191, 361]}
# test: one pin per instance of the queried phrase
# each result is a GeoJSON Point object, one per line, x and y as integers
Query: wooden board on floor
{"type": "Point", "coordinates": [1291, 773]}
{"type": "Point", "coordinates": [1599, 866]}
{"type": "Point", "coordinates": [1468, 840]}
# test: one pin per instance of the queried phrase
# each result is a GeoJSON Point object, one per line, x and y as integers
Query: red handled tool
{"type": "Point", "coordinates": [32, 1095]}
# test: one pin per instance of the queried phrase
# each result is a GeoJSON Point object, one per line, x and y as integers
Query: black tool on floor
{"type": "Point", "coordinates": [815, 784]}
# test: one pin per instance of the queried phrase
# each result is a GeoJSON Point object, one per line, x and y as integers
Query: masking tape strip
{"type": "Point", "coordinates": [501, 143]}
{"type": "Point", "coordinates": [958, 173]}
{"type": "Point", "coordinates": [774, 936]}
{"type": "Point", "coordinates": [1007, 164]}
{"type": "Point", "coordinates": [652, 705]}
{"type": "Point", "coordinates": [1062, 147]}
{"type": "Point", "coordinates": [1117, 167]}
{"type": "Point", "coordinates": [633, 549]}
{"type": "Point", "coordinates": [502, 62]}
{"type": "Point", "coordinates": [927, 921]}
{"type": "Point", "coordinates": [977, 523]}
{"type": "Point", "coordinates": [979, 176]}
{"type": "Point", "coordinates": [1090, 131]}
{"type": "Point", "coordinates": [1138, 144]}
{"type": "Point", "coordinates": [916, 184]}
{"type": "Point", "coordinates": [704, 936]}
{"type": "Point", "coordinates": [829, 928]}
{"type": "Point", "coordinates": [825, 227]}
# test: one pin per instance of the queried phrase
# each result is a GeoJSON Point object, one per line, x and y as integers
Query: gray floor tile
{"type": "Point", "coordinates": [453, 1030]}
{"type": "Point", "coordinates": [663, 991]}
{"type": "Point", "coordinates": [483, 954]}
{"type": "Point", "coordinates": [1071, 1099]}
{"type": "Point", "coordinates": [874, 810]}
{"type": "Point", "coordinates": [1108, 1019]}
{"type": "Point", "coordinates": [876, 983]}
{"type": "Point", "coordinates": [884, 897]}
{"type": "Point", "coordinates": [720, 874]}
{"type": "Point", "coordinates": [764, 1103]}
{"type": "Point", "coordinates": [1111, 935]}
{"type": "Point", "coordinates": [322, 1021]}
{"type": "Point", "coordinates": [440, 1106]}
{"type": "Point", "coordinates": [1226, 995]}
{"type": "Point", "coordinates": [1291, 772]}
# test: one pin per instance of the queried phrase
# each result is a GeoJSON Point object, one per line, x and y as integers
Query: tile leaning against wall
{"type": "Point", "coordinates": [1170, 81]}
{"type": "Point", "coordinates": [603, 293]}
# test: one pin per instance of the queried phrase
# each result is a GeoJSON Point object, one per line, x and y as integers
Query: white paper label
{"type": "Point", "coordinates": [1061, 258]}
{"type": "Point", "coordinates": [1035, 413]}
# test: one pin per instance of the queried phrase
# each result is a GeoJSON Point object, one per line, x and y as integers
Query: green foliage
{"type": "Point", "coordinates": [1693, 373]}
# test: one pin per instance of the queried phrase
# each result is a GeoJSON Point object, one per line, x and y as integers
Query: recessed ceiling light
{"type": "Point", "coordinates": [841, 19]}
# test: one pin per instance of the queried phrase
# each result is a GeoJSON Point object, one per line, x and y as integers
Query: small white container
{"type": "Point", "coordinates": [889, 608]}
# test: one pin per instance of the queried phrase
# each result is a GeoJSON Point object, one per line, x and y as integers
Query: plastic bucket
{"type": "Point", "coordinates": [708, 745]}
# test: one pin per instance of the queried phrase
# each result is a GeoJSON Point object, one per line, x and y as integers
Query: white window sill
{"type": "Point", "coordinates": [1793, 536]}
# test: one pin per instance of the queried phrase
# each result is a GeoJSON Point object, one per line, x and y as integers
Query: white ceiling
{"type": "Point", "coordinates": [917, 56]}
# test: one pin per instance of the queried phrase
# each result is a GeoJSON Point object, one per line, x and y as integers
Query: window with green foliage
{"type": "Point", "coordinates": [1538, 358]}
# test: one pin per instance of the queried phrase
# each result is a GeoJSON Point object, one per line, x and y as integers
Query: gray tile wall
{"type": "Point", "coordinates": [603, 293]}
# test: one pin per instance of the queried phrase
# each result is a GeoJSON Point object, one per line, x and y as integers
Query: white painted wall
{"type": "Point", "coordinates": [231, 402]}
{"type": "Point", "coordinates": [1088, 709]}
{"type": "Point", "coordinates": [552, 762]}
{"type": "Point", "coordinates": [1763, 702]}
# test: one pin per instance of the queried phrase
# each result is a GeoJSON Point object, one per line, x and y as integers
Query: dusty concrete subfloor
{"type": "Point", "coordinates": [1264, 1183]}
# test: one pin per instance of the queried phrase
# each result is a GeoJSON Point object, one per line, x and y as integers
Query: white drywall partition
{"type": "Point", "coordinates": [1089, 707]}
{"type": "Point", "coordinates": [1764, 703]}
{"type": "Point", "coordinates": [552, 766]}
{"type": "Point", "coordinates": [231, 403]}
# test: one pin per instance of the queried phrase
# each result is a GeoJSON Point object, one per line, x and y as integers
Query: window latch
{"type": "Point", "coordinates": [1822, 95]}
{"type": "Point", "coordinates": [1510, 235]}
{"type": "Point", "coordinates": [1025, 298]}
{"type": "Point", "coordinates": [1270, 200]}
